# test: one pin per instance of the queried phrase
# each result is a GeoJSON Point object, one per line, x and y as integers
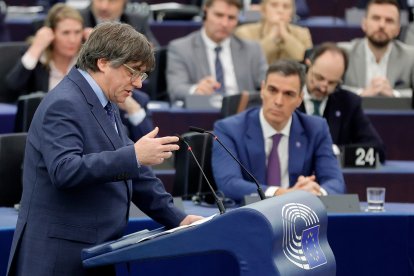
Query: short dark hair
{"type": "Point", "coordinates": [383, 2]}
{"type": "Point", "coordinates": [236, 3]}
{"type": "Point", "coordinates": [288, 67]}
{"type": "Point", "coordinates": [118, 43]}
{"type": "Point", "coordinates": [328, 47]}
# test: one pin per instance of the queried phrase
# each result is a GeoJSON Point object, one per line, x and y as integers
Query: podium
{"type": "Point", "coordinates": [283, 235]}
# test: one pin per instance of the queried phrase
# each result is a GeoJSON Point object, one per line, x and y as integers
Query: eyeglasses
{"type": "Point", "coordinates": [136, 74]}
{"type": "Point", "coordinates": [320, 78]}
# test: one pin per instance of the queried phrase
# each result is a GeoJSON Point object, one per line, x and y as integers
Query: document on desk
{"type": "Point", "coordinates": [176, 229]}
{"type": "Point", "coordinates": [135, 238]}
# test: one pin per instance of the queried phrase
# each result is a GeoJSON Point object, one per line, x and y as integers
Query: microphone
{"type": "Point", "coordinates": [259, 189]}
{"type": "Point", "coordinates": [216, 198]}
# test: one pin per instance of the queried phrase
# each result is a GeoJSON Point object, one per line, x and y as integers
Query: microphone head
{"type": "Point", "coordinates": [196, 129]}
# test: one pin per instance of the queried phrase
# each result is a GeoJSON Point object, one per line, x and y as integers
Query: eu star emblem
{"type": "Point", "coordinates": [311, 248]}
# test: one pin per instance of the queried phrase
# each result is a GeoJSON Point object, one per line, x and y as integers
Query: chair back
{"type": "Point", "coordinates": [189, 180]}
{"type": "Point", "coordinates": [26, 108]}
{"type": "Point", "coordinates": [10, 53]}
{"type": "Point", "coordinates": [156, 87]}
{"type": "Point", "coordinates": [234, 104]}
{"type": "Point", "coordinates": [12, 147]}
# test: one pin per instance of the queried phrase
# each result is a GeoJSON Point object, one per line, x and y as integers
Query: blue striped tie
{"type": "Point", "coordinates": [219, 71]}
{"type": "Point", "coordinates": [110, 112]}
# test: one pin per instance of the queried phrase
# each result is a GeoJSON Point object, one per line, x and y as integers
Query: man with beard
{"type": "Point", "coordinates": [324, 96]}
{"type": "Point", "coordinates": [379, 65]}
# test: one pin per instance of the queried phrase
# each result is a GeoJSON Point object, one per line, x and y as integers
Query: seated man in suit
{"type": "Point", "coordinates": [342, 109]}
{"type": "Point", "coordinates": [114, 10]}
{"type": "Point", "coordinates": [284, 149]}
{"type": "Point", "coordinates": [212, 60]}
{"type": "Point", "coordinates": [81, 171]}
{"type": "Point", "coordinates": [379, 65]}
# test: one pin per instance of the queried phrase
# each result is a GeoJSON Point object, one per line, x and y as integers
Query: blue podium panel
{"type": "Point", "coordinates": [277, 236]}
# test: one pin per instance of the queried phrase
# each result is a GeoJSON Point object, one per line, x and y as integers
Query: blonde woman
{"type": "Point", "coordinates": [51, 54]}
{"type": "Point", "coordinates": [277, 36]}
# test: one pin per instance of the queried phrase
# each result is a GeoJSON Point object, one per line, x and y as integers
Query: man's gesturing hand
{"type": "Point", "coordinates": [152, 151]}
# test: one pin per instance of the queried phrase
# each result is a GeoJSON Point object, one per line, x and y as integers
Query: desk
{"type": "Point", "coordinates": [394, 126]}
{"type": "Point", "coordinates": [363, 243]}
{"type": "Point", "coordinates": [7, 116]}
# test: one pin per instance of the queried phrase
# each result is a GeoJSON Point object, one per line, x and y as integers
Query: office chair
{"type": "Point", "coordinates": [234, 104]}
{"type": "Point", "coordinates": [12, 148]}
{"type": "Point", "coordinates": [189, 181]}
{"type": "Point", "coordinates": [156, 87]}
{"type": "Point", "coordinates": [26, 107]}
{"type": "Point", "coordinates": [10, 53]}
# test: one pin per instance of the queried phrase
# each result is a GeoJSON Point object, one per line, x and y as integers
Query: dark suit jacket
{"type": "Point", "coordinates": [79, 178]}
{"type": "Point", "coordinates": [140, 23]}
{"type": "Point", "coordinates": [310, 152]}
{"type": "Point", "coordinates": [24, 81]}
{"type": "Point", "coordinates": [348, 123]}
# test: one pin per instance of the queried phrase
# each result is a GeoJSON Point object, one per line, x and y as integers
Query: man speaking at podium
{"type": "Point", "coordinates": [285, 149]}
{"type": "Point", "coordinates": [80, 169]}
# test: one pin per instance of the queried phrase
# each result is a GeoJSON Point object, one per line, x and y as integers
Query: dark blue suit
{"type": "Point", "coordinates": [348, 124]}
{"type": "Point", "coordinates": [310, 152]}
{"type": "Point", "coordinates": [79, 178]}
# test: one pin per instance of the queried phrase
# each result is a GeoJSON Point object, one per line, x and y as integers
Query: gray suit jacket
{"type": "Point", "coordinates": [400, 67]}
{"type": "Point", "coordinates": [187, 63]}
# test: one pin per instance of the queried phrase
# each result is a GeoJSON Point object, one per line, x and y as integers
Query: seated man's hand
{"type": "Point", "coordinates": [207, 86]}
{"type": "Point", "coordinates": [305, 183]}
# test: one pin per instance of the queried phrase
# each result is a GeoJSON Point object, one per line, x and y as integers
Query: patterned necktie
{"type": "Point", "coordinates": [110, 112]}
{"type": "Point", "coordinates": [219, 70]}
{"type": "Point", "coordinates": [316, 106]}
{"type": "Point", "coordinates": [273, 163]}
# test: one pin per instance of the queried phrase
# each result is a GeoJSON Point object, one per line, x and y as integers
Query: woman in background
{"type": "Point", "coordinates": [277, 36]}
{"type": "Point", "coordinates": [53, 52]}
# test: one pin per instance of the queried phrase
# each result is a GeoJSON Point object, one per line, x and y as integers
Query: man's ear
{"type": "Point", "coordinates": [308, 62]}
{"type": "Point", "coordinates": [102, 64]}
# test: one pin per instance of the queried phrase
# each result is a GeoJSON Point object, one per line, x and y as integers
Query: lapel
{"type": "Point", "coordinates": [394, 63]}
{"type": "Point", "coordinates": [255, 145]}
{"type": "Point", "coordinates": [239, 64]}
{"type": "Point", "coordinates": [200, 52]}
{"type": "Point", "coordinates": [96, 108]}
{"type": "Point", "coordinates": [333, 115]}
{"type": "Point", "coordinates": [359, 67]}
{"type": "Point", "coordinates": [298, 144]}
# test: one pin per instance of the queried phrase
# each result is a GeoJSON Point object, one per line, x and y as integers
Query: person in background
{"type": "Point", "coordinates": [115, 10]}
{"type": "Point", "coordinates": [81, 171]}
{"type": "Point", "coordinates": [275, 33]}
{"type": "Point", "coordinates": [212, 60]}
{"type": "Point", "coordinates": [285, 149]}
{"type": "Point", "coordinates": [380, 65]}
{"type": "Point", "coordinates": [53, 52]}
{"type": "Point", "coordinates": [342, 109]}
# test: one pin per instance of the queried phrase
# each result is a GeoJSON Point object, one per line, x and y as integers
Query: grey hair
{"type": "Point", "coordinates": [117, 43]}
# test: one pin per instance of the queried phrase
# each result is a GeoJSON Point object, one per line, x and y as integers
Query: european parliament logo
{"type": "Point", "coordinates": [301, 236]}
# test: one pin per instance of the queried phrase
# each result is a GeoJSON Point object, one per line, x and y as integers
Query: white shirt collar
{"type": "Point", "coordinates": [269, 131]}
{"type": "Point", "coordinates": [210, 44]}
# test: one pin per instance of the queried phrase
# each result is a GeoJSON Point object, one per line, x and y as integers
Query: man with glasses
{"type": "Point", "coordinates": [323, 96]}
{"type": "Point", "coordinates": [285, 149]}
{"type": "Point", "coordinates": [81, 171]}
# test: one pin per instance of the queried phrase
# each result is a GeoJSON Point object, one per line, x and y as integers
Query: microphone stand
{"type": "Point", "coordinates": [216, 198]}
{"type": "Point", "coordinates": [259, 189]}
